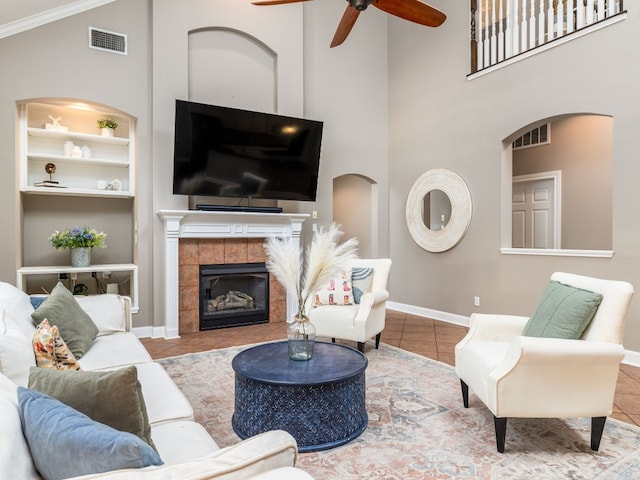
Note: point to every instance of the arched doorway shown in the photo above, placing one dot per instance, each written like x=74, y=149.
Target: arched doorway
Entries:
x=355, y=207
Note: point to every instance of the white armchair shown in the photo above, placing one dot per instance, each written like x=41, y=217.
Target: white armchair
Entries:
x=358, y=322
x=535, y=377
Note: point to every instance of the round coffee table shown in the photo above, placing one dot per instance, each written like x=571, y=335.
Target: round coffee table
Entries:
x=320, y=402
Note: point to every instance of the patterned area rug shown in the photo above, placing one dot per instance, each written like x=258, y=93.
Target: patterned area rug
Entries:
x=418, y=428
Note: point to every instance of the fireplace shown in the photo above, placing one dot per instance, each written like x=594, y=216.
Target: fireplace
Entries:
x=233, y=294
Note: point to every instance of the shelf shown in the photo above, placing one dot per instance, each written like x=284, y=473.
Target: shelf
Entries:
x=43, y=270
x=78, y=192
x=87, y=137
x=80, y=196
x=78, y=161
x=24, y=272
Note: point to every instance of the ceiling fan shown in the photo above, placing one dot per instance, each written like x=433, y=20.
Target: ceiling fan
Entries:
x=412, y=10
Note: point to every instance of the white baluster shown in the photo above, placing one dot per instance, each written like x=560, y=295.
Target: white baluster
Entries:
x=532, y=24
x=580, y=14
x=570, y=10
x=600, y=11
x=501, y=33
x=516, y=30
x=487, y=60
x=550, y=21
x=479, y=36
x=560, y=19
x=590, y=10
x=494, y=40
x=508, y=34
x=524, y=26
x=541, y=22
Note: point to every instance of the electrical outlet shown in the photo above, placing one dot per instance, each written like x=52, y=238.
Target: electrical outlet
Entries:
x=314, y=214
x=476, y=301
x=63, y=276
x=94, y=274
x=74, y=276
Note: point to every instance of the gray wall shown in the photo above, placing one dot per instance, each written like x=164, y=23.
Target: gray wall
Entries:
x=438, y=118
x=345, y=87
x=55, y=61
x=433, y=115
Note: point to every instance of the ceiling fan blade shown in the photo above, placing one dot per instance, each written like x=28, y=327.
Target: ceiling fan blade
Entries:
x=412, y=10
x=347, y=22
x=276, y=2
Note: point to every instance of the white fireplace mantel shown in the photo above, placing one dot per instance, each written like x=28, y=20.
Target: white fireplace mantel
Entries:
x=201, y=224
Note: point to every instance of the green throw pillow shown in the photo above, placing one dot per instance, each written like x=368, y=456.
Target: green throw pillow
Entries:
x=113, y=398
x=65, y=443
x=75, y=326
x=563, y=312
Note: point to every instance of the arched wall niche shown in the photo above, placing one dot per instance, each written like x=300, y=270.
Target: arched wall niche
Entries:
x=578, y=155
x=355, y=207
x=232, y=68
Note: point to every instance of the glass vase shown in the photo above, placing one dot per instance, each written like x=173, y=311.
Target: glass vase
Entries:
x=81, y=257
x=301, y=335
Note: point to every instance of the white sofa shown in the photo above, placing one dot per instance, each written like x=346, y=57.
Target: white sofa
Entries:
x=185, y=447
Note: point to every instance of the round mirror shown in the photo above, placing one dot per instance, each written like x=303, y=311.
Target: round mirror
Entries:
x=438, y=210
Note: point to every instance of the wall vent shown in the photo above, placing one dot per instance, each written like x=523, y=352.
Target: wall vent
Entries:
x=540, y=135
x=107, y=41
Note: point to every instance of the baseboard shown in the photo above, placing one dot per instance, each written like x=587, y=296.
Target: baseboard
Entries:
x=429, y=313
x=630, y=357
x=143, y=332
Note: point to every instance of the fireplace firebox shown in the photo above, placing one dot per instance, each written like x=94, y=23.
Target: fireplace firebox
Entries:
x=233, y=294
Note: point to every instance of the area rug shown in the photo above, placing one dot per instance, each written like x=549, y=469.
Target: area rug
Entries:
x=418, y=428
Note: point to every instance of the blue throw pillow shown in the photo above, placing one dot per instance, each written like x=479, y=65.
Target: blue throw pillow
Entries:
x=37, y=300
x=66, y=443
x=361, y=279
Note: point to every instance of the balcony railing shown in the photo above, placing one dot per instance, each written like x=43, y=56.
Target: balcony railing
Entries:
x=504, y=29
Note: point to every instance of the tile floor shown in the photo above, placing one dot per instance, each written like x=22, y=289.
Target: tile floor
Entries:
x=430, y=338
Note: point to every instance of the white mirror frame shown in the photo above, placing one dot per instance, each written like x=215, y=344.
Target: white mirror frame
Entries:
x=461, y=209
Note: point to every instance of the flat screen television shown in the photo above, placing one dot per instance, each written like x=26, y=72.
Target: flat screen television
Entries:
x=228, y=152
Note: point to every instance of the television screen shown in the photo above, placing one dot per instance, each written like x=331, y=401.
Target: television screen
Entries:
x=228, y=152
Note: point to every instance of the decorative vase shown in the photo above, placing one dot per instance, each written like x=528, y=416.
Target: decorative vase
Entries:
x=301, y=335
x=107, y=132
x=81, y=257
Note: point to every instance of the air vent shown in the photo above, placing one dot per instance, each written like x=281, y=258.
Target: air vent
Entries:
x=107, y=41
x=538, y=136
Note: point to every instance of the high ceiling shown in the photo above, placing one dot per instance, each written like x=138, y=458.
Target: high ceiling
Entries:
x=13, y=10
x=19, y=15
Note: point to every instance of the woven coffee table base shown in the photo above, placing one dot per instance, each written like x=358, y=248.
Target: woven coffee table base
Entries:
x=318, y=416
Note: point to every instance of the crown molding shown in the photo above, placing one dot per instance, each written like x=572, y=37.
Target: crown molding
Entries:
x=48, y=16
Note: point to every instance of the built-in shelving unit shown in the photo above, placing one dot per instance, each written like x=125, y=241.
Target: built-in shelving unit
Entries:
x=70, y=174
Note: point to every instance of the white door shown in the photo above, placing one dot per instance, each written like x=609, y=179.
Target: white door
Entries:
x=535, y=212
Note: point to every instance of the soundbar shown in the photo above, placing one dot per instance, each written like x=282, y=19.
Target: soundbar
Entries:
x=232, y=208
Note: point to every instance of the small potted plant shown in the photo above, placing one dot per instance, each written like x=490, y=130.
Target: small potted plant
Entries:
x=80, y=241
x=108, y=126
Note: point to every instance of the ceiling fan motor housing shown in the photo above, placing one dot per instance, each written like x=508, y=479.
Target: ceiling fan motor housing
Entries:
x=360, y=4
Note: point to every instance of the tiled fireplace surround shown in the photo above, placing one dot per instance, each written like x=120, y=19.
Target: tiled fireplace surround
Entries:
x=194, y=238
x=194, y=252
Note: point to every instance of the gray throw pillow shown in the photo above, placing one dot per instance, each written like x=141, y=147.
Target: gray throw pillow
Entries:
x=563, y=312
x=113, y=398
x=75, y=326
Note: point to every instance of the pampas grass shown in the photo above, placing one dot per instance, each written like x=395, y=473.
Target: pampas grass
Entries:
x=301, y=275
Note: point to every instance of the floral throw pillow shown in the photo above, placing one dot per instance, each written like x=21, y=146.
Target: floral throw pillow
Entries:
x=50, y=349
x=338, y=291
